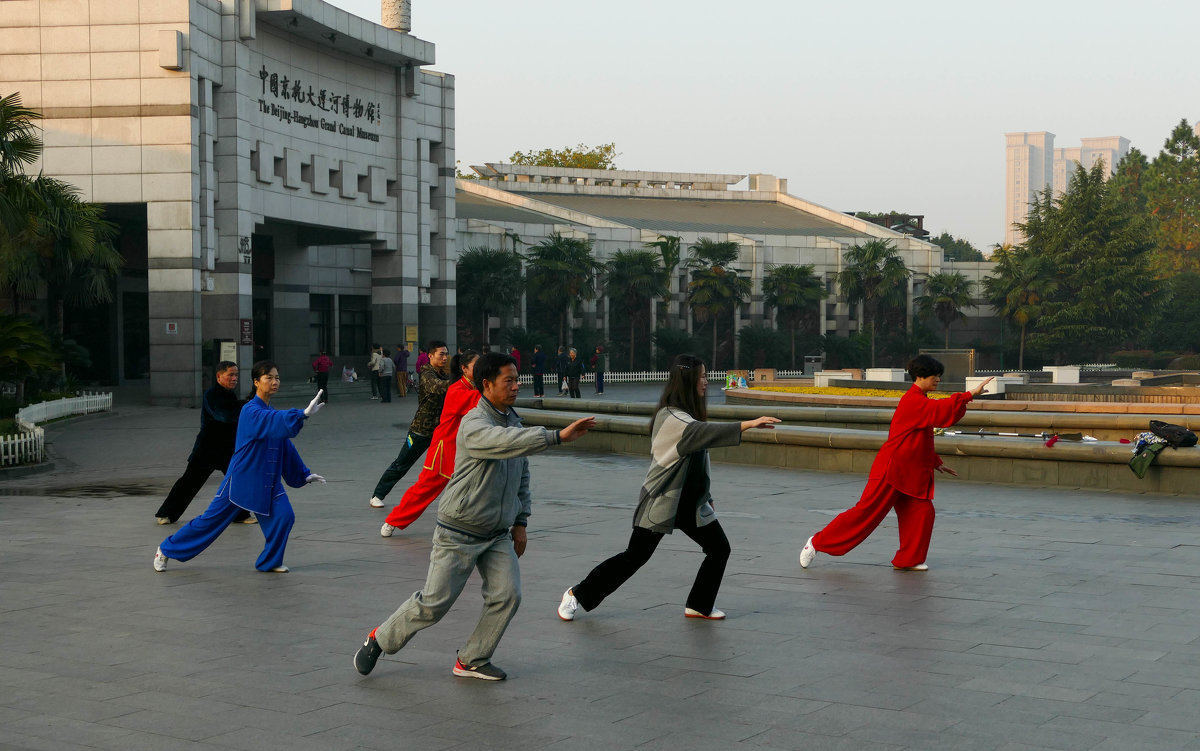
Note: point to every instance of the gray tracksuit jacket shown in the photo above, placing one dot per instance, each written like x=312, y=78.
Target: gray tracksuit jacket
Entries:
x=489, y=490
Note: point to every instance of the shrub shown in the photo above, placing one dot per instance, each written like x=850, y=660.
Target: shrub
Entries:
x=1134, y=358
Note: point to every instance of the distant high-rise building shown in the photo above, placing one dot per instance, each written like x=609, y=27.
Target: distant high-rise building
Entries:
x=1033, y=164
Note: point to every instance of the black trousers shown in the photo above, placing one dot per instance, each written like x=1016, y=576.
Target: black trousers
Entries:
x=385, y=388
x=539, y=384
x=184, y=491
x=410, y=452
x=323, y=385
x=611, y=574
x=573, y=387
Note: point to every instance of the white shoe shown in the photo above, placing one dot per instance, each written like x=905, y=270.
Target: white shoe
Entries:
x=279, y=570
x=918, y=567
x=162, y=520
x=715, y=615
x=376, y=502
x=568, y=606
x=160, y=561
x=386, y=530
x=807, y=553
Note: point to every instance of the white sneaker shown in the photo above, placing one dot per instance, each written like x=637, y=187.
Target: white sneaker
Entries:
x=715, y=615
x=918, y=567
x=160, y=561
x=376, y=502
x=386, y=530
x=279, y=570
x=568, y=606
x=807, y=553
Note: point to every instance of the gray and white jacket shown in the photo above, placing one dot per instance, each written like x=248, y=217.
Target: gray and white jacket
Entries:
x=489, y=490
x=676, y=440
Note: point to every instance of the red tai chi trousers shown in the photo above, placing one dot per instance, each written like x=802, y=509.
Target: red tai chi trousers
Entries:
x=849, y=528
x=429, y=485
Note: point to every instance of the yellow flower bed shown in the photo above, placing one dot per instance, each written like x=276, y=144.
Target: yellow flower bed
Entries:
x=837, y=391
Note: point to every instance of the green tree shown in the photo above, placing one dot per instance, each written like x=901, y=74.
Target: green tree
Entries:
x=1173, y=199
x=1178, y=331
x=1018, y=289
x=716, y=289
x=603, y=156
x=20, y=146
x=1099, y=254
x=1128, y=183
x=25, y=351
x=794, y=292
x=489, y=281
x=635, y=278
x=956, y=249
x=561, y=273
x=874, y=275
x=670, y=342
x=946, y=294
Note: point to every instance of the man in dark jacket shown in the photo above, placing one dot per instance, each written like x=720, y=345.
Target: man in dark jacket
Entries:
x=431, y=393
x=560, y=367
x=214, y=444
x=538, y=364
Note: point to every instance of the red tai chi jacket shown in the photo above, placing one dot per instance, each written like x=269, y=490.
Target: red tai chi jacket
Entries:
x=461, y=398
x=906, y=461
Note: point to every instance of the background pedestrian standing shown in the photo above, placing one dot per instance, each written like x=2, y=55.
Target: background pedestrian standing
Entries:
x=539, y=369
x=574, y=369
x=373, y=369
x=321, y=367
x=599, y=365
x=401, y=361
x=387, y=372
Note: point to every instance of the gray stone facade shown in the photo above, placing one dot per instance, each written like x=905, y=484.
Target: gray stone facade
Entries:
x=295, y=163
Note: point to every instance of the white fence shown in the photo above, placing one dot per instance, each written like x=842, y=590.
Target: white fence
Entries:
x=29, y=446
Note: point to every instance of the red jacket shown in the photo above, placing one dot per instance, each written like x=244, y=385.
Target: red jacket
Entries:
x=906, y=461
x=461, y=398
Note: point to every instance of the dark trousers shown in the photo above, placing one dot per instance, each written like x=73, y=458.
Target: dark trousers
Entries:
x=184, y=491
x=374, y=383
x=385, y=388
x=410, y=452
x=599, y=382
x=611, y=574
x=573, y=387
x=539, y=384
x=323, y=385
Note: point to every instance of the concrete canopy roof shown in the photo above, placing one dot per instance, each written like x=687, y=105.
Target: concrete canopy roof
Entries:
x=473, y=206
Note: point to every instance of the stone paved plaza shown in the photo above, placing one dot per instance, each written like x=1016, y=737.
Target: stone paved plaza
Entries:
x=1050, y=619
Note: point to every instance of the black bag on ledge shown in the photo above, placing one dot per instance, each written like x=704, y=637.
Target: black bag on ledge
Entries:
x=1176, y=436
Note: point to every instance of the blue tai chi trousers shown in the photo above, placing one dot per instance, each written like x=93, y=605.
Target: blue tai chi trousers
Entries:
x=194, y=537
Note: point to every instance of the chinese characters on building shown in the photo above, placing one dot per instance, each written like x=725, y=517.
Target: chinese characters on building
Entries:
x=294, y=91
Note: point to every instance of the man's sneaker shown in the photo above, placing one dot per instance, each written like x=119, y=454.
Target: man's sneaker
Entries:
x=485, y=672
x=368, y=654
x=568, y=606
x=160, y=560
x=162, y=520
x=918, y=567
x=376, y=502
x=807, y=553
x=386, y=530
x=714, y=615
x=252, y=519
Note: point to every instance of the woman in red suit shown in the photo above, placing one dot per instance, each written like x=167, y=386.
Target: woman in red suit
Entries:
x=902, y=475
x=461, y=398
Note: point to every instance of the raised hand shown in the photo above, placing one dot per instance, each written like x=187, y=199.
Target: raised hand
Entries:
x=315, y=405
x=761, y=422
x=577, y=429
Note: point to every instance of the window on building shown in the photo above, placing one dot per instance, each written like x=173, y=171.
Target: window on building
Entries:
x=320, y=323
x=354, y=324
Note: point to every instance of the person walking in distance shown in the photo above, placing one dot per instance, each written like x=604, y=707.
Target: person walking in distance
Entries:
x=481, y=521
x=674, y=496
x=560, y=367
x=401, y=361
x=321, y=367
x=387, y=372
x=373, y=366
x=901, y=476
x=264, y=454
x=599, y=365
x=431, y=392
x=574, y=370
x=538, y=366
x=461, y=398
x=219, y=410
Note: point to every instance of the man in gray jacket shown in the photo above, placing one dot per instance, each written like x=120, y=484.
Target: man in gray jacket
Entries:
x=480, y=524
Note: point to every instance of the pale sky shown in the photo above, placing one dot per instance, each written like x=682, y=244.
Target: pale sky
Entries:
x=873, y=106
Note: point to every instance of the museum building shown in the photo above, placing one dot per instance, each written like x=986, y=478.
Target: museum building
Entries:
x=281, y=173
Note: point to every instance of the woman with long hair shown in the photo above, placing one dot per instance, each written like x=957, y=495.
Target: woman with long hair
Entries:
x=262, y=455
x=461, y=398
x=674, y=496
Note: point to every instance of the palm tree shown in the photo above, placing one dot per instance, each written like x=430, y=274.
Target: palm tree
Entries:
x=946, y=294
x=1018, y=289
x=874, y=275
x=636, y=277
x=24, y=351
x=489, y=281
x=561, y=273
x=20, y=146
x=716, y=289
x=794, y=292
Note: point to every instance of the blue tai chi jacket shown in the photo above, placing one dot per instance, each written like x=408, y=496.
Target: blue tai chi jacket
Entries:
x=264, y=454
